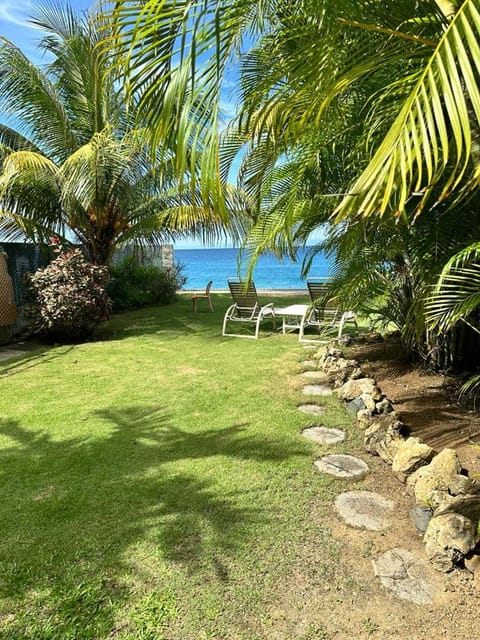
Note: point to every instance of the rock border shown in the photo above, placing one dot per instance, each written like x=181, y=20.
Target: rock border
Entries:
x=439, y=484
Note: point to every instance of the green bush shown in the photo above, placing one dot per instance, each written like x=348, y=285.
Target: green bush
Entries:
x=66, y=300
x=134, y=285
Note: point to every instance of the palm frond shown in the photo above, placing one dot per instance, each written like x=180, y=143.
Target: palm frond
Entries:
x=428, y=149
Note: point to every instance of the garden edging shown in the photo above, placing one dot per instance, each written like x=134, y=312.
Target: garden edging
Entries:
x=447, y=501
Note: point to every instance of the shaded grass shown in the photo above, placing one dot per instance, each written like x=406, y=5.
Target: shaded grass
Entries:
x=153, y=482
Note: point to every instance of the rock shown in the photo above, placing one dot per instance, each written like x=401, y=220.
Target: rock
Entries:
x=339, y=370
x=356, y=373
x=354, y=406
x=368, y=401
x=322, y=435
x=406, y=575
x=383, y=438
x=365, y=419
x=411, y=455
x=317, y=390
x=342, y=466
x=354, y=388
x=472, y=563
x=384, y=406
x=448, y=539
x=309, y=364
x=421, y=516
x=468, y=506
x=318, y=376
x=461, y=485
x=365, y=510
x=333, y=352
x=435, y=477
x=311, y=409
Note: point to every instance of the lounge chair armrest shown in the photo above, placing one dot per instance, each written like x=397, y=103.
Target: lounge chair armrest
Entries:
x=270, y=307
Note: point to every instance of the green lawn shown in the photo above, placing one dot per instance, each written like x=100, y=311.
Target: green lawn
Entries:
x=154, y=484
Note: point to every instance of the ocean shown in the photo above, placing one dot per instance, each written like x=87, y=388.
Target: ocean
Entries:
x=202, y=265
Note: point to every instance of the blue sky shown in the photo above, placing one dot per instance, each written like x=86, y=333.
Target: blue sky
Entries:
x=14, y=23
x=14, y=15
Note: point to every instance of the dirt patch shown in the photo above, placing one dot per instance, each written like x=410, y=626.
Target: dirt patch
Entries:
x=349, y=602
x=427, y=402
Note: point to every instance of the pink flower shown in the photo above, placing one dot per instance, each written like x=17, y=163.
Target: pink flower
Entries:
x=54, y=240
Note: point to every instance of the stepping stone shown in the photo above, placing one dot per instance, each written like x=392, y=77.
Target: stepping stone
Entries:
x=312, y=409
x=309, y=364
x=365, y=510
x=317, y=390
x=322, y=435
x=406, y=575
x=342, y=466
x=318, y=376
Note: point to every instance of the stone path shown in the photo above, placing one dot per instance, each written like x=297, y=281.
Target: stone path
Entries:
x=406, y=575
x=317, y=376
x=312, y=409
x=365, y=510
x=400, y=571
x=317, y=390
x=323, y=435
x=343, y=466
x=309, y=364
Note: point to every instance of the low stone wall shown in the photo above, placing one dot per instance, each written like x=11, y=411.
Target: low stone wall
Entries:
x=447, y=501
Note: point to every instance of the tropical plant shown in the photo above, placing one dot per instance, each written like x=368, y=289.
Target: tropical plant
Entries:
x=134, y=285
x=76, y=160
x=387, y=93
x=67, y=299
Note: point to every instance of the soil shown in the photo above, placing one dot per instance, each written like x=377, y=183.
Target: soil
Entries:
x=352, y=604
x=428, y=403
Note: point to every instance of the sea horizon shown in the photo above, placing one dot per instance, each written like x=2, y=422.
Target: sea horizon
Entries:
x=200, y=265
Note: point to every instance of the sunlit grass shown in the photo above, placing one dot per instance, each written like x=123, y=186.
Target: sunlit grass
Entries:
x=153, y=482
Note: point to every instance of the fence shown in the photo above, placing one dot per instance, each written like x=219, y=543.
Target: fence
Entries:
x=21, y=258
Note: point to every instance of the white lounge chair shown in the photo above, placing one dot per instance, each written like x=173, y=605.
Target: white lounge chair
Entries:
x=246, y=309
x=324, y=313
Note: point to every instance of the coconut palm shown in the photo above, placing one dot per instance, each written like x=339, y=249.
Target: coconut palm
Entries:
x=390, y=89
x=76, y=160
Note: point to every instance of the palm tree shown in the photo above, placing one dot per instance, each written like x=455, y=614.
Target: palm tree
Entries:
x=388, y=89
x=77, y=161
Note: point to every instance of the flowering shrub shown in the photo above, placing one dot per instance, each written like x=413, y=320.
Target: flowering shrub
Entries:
x=67, y=299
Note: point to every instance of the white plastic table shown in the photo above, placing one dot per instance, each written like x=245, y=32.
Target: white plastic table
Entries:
x=291, y=316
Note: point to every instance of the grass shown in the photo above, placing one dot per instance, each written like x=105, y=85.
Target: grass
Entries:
x=154, y=484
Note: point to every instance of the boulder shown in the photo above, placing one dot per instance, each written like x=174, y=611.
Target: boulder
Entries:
x=472, y=563
x=339, y=370
x=410, y=456
x=354, y=406
x=421, y=516
x=468, y=506
x=331, y=351
x=448, y=539
x=431, y=480
x=383, y=438
x=365, y=417
x=354, y=388
x=368, y=401
x=384, y=406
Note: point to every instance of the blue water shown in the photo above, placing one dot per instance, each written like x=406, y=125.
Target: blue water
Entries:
x=202, y=265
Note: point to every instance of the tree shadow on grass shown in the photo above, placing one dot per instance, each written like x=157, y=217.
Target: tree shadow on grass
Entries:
x=73, y=513
x=40, y=355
